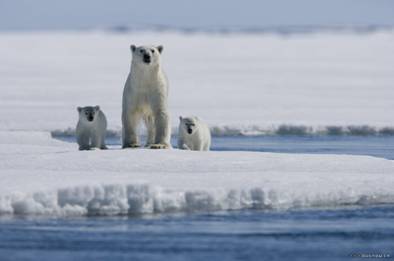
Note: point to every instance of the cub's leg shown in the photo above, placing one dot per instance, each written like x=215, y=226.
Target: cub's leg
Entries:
x=98, y=141
x=83, y=140
x=102, y=143
x=184, y=147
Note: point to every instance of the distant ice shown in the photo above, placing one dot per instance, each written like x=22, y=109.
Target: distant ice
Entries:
x=253, y=81
x=283, y=30
x=281, y=130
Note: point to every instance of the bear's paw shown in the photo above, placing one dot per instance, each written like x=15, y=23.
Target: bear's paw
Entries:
x=159, y=146
x=132, y=146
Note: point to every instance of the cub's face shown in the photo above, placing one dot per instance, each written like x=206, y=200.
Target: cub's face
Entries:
x=147, y=55
x=88, y=113
x=189, y=124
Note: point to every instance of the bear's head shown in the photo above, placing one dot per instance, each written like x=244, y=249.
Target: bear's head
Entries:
x=146, y=55
x=88, y=113
x=189, y=124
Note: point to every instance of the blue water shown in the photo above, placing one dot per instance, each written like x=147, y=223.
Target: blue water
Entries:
x=378, y=146
x=336, y=234
x=344, y=233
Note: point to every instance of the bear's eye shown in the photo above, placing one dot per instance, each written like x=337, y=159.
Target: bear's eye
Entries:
x=141, y=51
x=153, y=50
x=86, y=113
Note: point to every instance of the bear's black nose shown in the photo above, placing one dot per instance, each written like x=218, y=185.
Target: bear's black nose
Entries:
x=146, y=58
x=189, y=130
x=90, y=118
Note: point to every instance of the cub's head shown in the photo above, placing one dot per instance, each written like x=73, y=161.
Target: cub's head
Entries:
x=189, y=124
x=146, y=55
x=88, y=113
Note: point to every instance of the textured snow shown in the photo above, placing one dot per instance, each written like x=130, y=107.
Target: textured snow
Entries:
x=40, y=175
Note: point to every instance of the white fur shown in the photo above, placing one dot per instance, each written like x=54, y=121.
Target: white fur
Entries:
x=145, y=98
x=91, y=134
x=199, y=139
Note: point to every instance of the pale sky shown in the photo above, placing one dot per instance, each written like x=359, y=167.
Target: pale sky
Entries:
x=87, y=14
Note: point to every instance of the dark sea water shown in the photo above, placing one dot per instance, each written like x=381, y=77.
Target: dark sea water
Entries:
x=330, y=234
x=345, y=233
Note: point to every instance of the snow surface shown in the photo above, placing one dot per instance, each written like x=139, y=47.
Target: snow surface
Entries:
x=236, y=81
x=231, y=81
x=40, y=175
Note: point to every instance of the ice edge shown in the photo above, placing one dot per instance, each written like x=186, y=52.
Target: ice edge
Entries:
x=138, y=199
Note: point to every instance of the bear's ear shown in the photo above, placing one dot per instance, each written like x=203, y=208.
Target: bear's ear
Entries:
x=132, y=48
x=160, y=48
x=97, y=108
x=180, y=118
x=79, y=109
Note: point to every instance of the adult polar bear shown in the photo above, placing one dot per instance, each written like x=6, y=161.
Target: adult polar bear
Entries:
x=145, y=97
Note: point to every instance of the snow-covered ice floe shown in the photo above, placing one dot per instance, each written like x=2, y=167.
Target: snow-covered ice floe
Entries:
x=239, y=84
x=40, y=175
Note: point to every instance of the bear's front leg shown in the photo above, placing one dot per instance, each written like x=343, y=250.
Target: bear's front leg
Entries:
x=150, y=126
x=129, y=133
x=162, y=132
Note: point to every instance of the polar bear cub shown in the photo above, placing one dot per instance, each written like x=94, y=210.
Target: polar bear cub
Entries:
x=91, y=128
x=193, y=134
x=145, y=97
